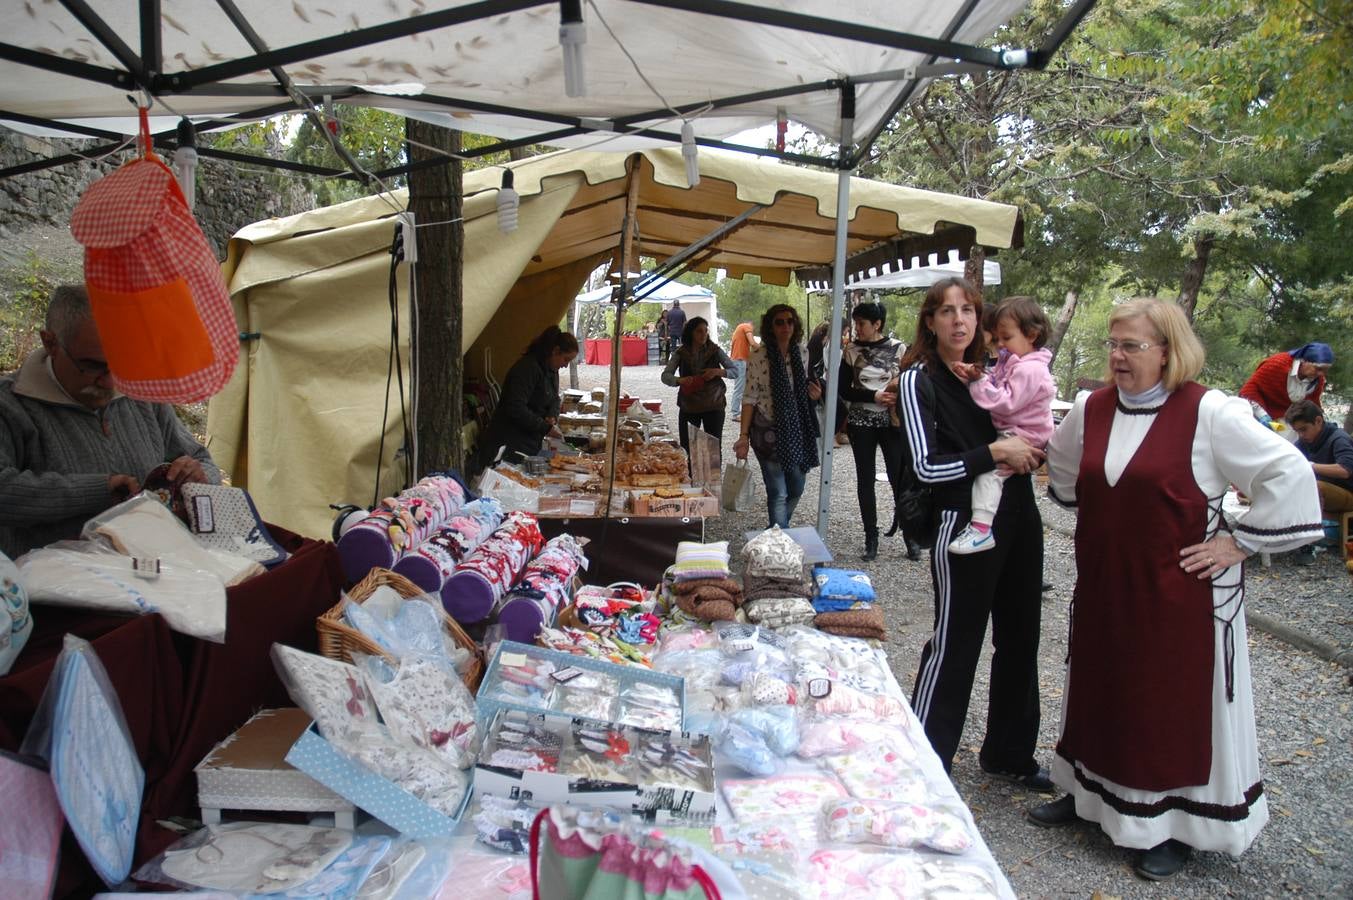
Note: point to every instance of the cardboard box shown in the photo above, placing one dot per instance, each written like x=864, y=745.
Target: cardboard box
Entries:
x=249, y=771
x=646, y=503
x=385, y=800
x=702, y=505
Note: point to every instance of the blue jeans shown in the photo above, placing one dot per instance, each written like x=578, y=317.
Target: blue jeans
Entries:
x=739, y=373
x=784, y=487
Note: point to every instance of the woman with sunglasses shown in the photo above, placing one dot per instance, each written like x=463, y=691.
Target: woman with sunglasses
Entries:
x=779, y=422
x=1158, y=741
x=952, y=441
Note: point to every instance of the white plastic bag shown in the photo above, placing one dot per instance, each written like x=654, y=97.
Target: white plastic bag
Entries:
x=737, y=486
x=15, y=621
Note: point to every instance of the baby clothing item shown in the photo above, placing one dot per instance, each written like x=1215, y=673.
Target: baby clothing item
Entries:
x=860, y=623
x=780, y=798
x=224, y=518
x=847, y=702
x=31, y=841
x=891, y=824
x=832, y=737
x=256, y=858
x=331, y=692
x=779, y=612
x=773, y=554
x=696, y=560
x=80, y=730
x=143, y=528
x=86, y=574
x=15, y=621
x=839, y=589
x=429, y=707
x=881, y=773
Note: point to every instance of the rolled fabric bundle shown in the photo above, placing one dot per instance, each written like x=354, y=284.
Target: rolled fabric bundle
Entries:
x=756, y=587
x=708, y=606
x=436, y=559
x=400, y=523
x=543, y=591
x=484, y=576
x=727, y=587
x=865, y=622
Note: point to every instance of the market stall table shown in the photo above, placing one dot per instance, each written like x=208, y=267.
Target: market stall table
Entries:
x=633, y=351
x=181, y=695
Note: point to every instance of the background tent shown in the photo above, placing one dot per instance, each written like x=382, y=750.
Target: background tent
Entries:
x=917, y=276
x=696, y=300
x=301, y=422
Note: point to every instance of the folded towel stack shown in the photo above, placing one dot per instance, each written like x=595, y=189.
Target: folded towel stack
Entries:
x=844, y=602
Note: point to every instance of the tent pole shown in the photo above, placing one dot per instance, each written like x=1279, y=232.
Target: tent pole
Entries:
x=629, y=229
x=573, y=366
x=833, y=348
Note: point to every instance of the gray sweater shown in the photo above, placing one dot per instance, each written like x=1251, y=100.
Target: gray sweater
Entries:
x=56, y=454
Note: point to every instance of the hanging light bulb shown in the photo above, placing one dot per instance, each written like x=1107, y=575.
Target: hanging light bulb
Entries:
x=185, y=161
x=690, y=153
x=508, y=202
x=572, y=36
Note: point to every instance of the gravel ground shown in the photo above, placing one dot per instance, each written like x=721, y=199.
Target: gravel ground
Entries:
x=1303, y=707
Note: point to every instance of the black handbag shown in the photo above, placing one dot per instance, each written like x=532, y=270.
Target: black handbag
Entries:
x=914, y=512
x=761, y=434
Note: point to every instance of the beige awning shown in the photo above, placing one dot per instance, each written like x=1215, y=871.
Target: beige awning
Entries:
x=299, y=425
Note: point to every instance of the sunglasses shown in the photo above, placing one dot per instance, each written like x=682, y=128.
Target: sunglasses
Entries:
x=782, y=321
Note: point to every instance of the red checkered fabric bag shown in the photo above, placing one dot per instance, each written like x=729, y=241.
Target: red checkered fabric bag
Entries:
x=156, y=291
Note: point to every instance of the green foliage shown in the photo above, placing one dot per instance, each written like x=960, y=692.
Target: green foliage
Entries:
x=24, y=289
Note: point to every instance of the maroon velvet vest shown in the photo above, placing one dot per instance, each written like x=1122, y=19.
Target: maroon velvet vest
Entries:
x=1139, y=694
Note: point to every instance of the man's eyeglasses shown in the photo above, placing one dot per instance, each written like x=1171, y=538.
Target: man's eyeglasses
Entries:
x=782, y=321
x=1131, y=348
x=89, y=368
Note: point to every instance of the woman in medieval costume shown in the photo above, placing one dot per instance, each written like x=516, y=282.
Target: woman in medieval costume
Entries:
x=1158, y=739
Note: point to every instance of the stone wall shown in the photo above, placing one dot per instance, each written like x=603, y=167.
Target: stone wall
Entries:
x=229, y=196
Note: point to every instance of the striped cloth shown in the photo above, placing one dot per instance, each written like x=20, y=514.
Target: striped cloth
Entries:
x=696, y=560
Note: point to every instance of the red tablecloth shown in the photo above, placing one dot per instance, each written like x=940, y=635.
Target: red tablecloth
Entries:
x=180, y=695
x=633, y=351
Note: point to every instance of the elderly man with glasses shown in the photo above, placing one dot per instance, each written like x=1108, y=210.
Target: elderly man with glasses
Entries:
x=70, y=445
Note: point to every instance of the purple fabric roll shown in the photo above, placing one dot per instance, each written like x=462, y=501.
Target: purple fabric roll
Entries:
x=468, y=597
x=421, y=571
x=523, y=617
x=366, y=546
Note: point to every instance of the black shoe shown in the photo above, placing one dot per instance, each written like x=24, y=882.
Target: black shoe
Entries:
x=913, y=549
x=1047, y=586
x=1037, y=780
x=871, y=545
x=1054, y=814
x=1305, y=556
x=1163, y=860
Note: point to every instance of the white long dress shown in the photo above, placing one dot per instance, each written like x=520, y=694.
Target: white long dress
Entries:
x=1229, y=448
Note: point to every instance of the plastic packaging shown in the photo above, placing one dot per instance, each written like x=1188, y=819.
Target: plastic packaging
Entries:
x=427, y=705
x=80, y=730
x=144, y=528
x=92, y=576
x=504, y=824
x=16, y=623
x=888, y=824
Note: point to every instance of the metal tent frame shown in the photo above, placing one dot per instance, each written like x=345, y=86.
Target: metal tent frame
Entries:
x=144, y=70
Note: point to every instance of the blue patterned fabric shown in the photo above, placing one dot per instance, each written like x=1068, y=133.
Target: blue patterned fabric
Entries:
x=839, y=589
x=795, y=424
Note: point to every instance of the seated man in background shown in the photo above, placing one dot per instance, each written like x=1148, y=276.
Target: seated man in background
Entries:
x=70, y=445
x=1330, y=451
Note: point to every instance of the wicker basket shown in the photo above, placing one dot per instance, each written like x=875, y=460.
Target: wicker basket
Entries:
x=338, y=640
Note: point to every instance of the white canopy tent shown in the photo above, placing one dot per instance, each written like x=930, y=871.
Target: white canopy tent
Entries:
x=917, y=276
x=696, y=300
x=711, y=69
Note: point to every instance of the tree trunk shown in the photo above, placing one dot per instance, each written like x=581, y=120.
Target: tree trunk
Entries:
x=973, y=268
x=435, y=195
x=1192, y=281
x=1063, y=323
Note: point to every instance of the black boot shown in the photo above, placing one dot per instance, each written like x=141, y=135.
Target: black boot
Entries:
x=871, y=544
x=913, y=549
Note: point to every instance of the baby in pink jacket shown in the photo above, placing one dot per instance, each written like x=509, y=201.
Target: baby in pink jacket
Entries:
x=1018, y=393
